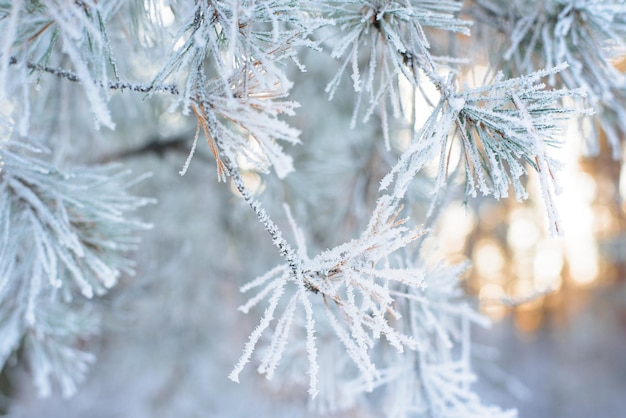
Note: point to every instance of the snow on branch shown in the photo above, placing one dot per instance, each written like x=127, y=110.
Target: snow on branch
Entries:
x=356, y=293
x=436, y=379
x=112, y=85
x=503, y=128
x=78, y=30
x=247, y=127
x=352, y=280
x=400, y=321
x=62, y=234
x=368, y=288
x=383, y=41
x=589, y=35
x=55, y=344
x=231, y=69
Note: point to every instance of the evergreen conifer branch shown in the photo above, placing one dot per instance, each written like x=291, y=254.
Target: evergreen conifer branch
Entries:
x=502, y=128
x=67, y=233
x=391, y=35
x=63, y=234
x=588, y=35
x=112, y=85
x=79, y=29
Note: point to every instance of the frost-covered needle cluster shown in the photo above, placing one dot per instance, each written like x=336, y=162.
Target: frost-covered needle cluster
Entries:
x=372, y=313
x=64, y=237
x=587, y=34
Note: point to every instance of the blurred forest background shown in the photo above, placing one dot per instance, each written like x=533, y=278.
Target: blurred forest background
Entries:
x=172, y=332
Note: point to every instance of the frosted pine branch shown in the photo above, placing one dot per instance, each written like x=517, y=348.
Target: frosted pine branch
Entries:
x=351, y=279
x=372, y=311
x=390, y=35
x=79, y=30
x=503, y=128
x=587, y=34
x=113, y=85
x=63, y=235
x=246, y=43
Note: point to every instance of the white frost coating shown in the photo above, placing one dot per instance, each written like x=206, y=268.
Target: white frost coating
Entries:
x=35, y=289
x=8, y=40
x=260, y=296
x=279, y=341
x=72, y=22
x=183, y=170
x=62, y=226
x=310, y=343
x=456, y=103
x=6, y=123
x=268, y=315
x=98, y=105
x=6, y=118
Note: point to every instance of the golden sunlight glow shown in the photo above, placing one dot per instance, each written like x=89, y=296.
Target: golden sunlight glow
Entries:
x=490, y=296
x=604, y=220
x=456, y=224
x=526, y=263
x=521, y=289
x=528, y=314
x=583, y=262
x=512, y=255
x=491, y=214
x=622, y=182
x=547, y=265
x=523, y=232
x=577, y=215
x=522, y=267
x=489, y=260
x=527, y=318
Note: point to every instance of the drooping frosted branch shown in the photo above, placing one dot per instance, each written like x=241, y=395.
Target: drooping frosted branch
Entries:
x=63, y=235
